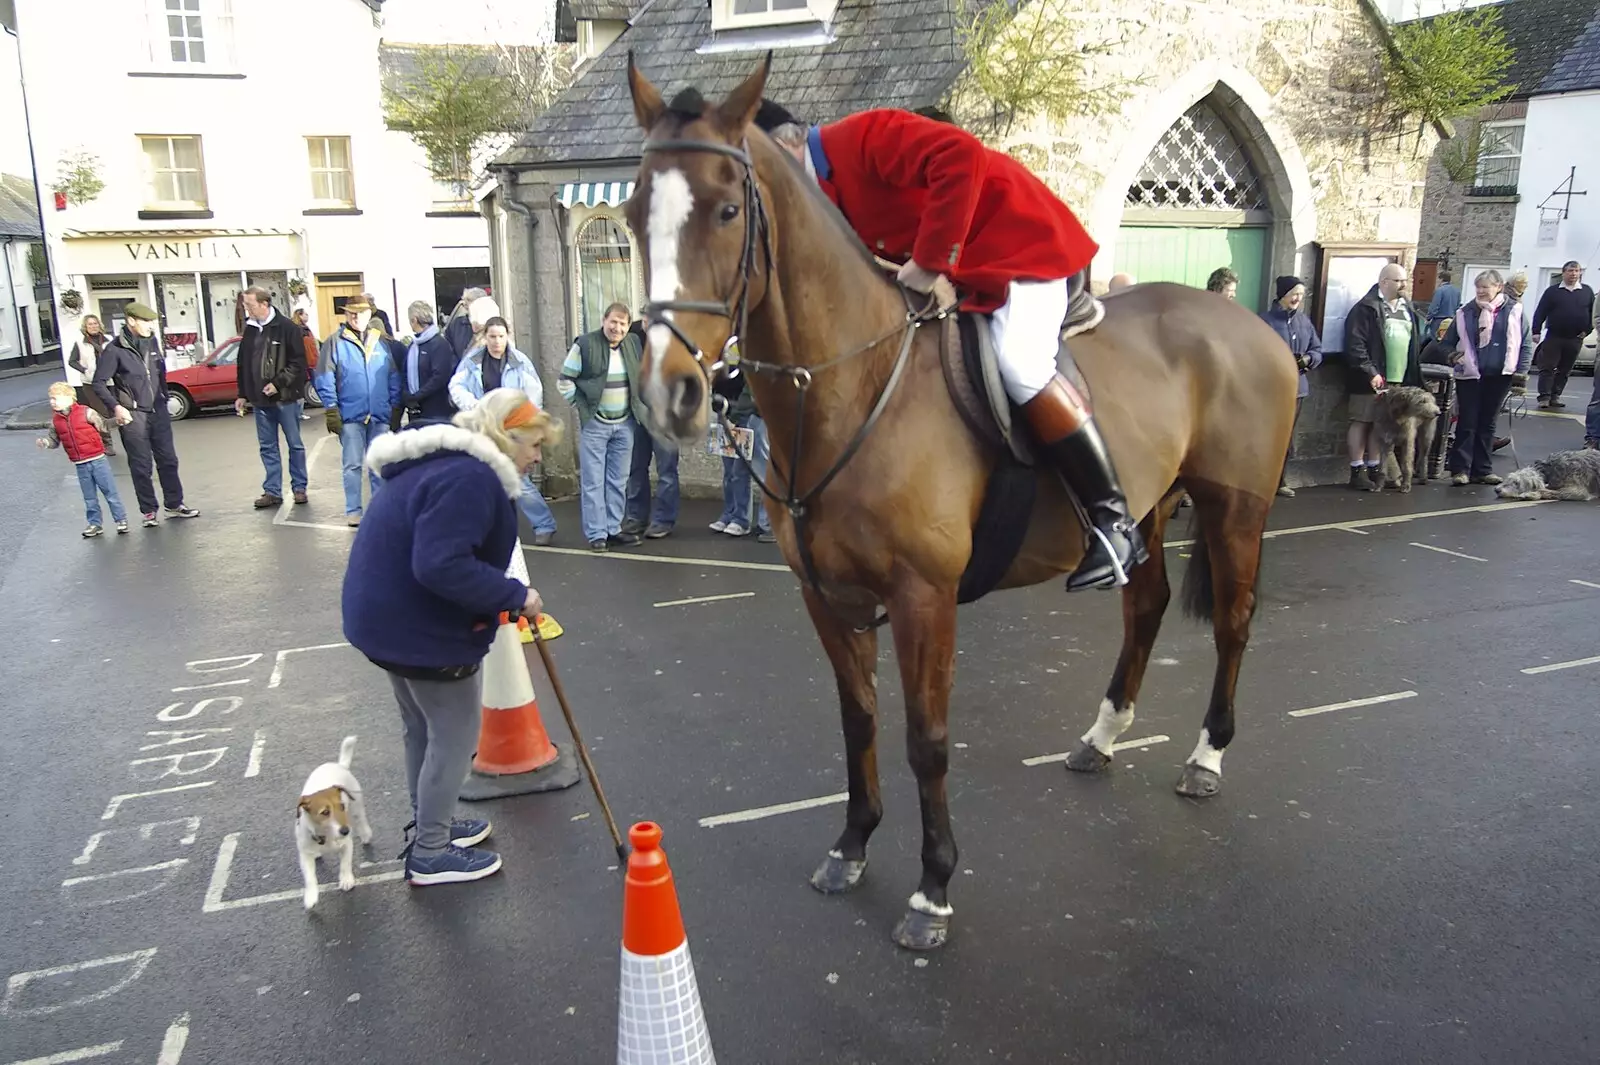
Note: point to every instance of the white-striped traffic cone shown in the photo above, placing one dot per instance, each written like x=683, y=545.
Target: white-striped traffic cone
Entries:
x=659, y=1018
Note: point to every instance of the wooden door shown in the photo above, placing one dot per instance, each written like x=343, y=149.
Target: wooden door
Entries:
x=330, y=305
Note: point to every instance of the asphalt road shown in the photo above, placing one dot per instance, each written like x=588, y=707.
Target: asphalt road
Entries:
x=1408, y=880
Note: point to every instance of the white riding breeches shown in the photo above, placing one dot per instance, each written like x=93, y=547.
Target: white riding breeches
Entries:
x=1027, y=336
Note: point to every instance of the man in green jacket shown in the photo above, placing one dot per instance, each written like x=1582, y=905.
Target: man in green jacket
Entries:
x=600, y=379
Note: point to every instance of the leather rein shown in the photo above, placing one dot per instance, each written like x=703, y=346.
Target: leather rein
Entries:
x=758, y=235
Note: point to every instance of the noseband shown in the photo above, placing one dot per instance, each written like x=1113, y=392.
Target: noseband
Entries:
x=757, y=230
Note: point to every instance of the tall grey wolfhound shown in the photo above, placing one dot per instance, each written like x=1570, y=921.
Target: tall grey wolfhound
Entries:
x=1405, y=420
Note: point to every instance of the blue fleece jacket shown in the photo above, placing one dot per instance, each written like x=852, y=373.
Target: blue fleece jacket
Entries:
x=427, y=573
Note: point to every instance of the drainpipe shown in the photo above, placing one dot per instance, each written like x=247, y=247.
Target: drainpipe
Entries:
x=507, y=179
x=44, y=236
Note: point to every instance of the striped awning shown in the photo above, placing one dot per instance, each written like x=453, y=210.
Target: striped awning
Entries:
x=595, y=193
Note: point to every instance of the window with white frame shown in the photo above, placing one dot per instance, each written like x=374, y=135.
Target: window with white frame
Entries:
x=736, y=14
x=191, y=34
x=1499, y=156
x=333, y=182
x=452, y=194
x=175, y=175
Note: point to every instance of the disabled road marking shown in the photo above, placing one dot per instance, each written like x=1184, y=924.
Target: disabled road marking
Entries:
x=220, y=873
x=1371, y=700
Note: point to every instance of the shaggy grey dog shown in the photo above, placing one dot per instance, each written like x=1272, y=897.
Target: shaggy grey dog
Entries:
x=1570, y=475
x=1405, y=420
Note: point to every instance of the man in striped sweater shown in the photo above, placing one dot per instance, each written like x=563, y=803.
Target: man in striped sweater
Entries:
x=599, y=378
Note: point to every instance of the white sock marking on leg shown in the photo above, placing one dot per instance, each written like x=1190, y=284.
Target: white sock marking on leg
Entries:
x=1206, y=756
x=920, y=903
x=1108, y=726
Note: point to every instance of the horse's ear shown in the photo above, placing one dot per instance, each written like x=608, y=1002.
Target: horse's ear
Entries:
x=735, y=114
x=647, y=105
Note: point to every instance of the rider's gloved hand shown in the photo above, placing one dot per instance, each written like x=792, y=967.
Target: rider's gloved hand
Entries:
x=916, y=278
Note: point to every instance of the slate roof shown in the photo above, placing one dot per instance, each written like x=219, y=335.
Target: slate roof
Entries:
x=1539, y=33
x=885, y=53
x=594, y=10
x=19, y=211
x=1579, y=68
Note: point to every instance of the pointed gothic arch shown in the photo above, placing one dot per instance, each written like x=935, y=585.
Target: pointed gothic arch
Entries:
x=1211, y=110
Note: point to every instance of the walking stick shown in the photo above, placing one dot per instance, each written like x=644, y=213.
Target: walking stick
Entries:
x=583, y=752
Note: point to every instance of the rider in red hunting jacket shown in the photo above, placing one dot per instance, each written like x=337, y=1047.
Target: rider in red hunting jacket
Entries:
x=929, y=195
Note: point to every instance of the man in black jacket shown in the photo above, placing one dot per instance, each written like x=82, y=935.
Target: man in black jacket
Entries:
x=425, y=370
x=130, y=378
x=272, y=379
x=1565, y=311
x=1382, y=344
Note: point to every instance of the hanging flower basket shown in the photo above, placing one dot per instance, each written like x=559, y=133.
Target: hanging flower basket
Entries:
x=297, y=286
x=72, y=301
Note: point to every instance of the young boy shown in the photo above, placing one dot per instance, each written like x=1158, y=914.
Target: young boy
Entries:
x=76, y=429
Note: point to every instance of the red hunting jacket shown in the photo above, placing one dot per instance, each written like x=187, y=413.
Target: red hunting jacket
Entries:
x=916, y=188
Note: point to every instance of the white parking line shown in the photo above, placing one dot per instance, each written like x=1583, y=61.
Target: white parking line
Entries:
x=1447, y=551
x=671, y=560
x=706, y=599
x=1552, y=667
x=1393, y=519
x=1127, y=745
x=1586, y=584
x=1351, y=704
x=759, y=812
x=81, y=1054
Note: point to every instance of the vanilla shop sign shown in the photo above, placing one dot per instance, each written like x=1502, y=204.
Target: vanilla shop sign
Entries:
x=159, y=253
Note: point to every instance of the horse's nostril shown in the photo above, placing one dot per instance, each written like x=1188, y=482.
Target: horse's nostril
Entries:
x=686, y=397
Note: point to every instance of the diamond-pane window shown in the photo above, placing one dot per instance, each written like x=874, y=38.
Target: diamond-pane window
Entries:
x=1198, y=164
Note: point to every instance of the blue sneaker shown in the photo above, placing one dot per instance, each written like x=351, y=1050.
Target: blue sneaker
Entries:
x=469, y=831
x=453, y=865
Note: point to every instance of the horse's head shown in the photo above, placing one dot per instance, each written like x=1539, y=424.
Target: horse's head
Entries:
x=696, y=210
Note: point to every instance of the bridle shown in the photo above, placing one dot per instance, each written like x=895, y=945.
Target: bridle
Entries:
x=758, y=234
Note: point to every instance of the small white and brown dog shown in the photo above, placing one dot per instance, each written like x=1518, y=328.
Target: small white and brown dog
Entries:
x=330, y=808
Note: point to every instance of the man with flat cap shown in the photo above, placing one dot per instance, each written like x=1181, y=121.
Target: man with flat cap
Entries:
x=130, y=377
x=925, y=193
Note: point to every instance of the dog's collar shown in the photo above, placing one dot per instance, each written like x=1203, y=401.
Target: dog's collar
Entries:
x=320, y=841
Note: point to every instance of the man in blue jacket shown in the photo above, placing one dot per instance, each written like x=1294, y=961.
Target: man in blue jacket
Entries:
x=1446, y=302
x=360, y=387
x=1288, y=318
x=425, y=383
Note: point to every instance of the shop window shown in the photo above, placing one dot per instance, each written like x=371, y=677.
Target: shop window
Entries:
x=333, y=183
x=175, y=176
x=605, y=271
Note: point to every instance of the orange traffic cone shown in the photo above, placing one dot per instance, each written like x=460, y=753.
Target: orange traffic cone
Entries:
x=515, y=755
x=659, y=1019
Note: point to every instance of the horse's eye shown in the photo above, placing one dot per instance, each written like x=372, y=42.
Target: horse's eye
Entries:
x=730, y=211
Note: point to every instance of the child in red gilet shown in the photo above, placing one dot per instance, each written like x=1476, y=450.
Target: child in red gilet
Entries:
x=76, y=429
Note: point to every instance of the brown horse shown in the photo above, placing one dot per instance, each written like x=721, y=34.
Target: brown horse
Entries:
x=1192, y=393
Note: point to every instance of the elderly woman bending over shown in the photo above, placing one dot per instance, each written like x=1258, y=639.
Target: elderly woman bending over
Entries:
x=423, y=591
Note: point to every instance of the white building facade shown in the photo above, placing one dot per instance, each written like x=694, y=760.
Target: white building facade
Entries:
x=1558, y=207
x=240, y=143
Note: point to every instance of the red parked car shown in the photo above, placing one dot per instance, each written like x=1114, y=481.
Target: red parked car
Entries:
x=213, y=383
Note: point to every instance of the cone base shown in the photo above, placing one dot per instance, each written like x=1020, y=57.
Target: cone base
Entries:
x=560, y=774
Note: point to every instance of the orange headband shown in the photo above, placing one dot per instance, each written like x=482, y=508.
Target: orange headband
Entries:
x=526, y=414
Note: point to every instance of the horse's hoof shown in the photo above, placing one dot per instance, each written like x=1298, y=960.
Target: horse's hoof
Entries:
x=922, y=931
x=835, y=876
x=1198, y=782
x=1086, y=758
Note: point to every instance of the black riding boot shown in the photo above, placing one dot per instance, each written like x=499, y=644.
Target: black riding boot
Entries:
x=1065, y=432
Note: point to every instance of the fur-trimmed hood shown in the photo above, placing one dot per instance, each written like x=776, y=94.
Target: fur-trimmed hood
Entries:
x=416, y=445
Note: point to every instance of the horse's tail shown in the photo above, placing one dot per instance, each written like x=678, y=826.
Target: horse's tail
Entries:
x=1199, y=597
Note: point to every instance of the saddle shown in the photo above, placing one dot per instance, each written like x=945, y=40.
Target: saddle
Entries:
x=972, y=374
